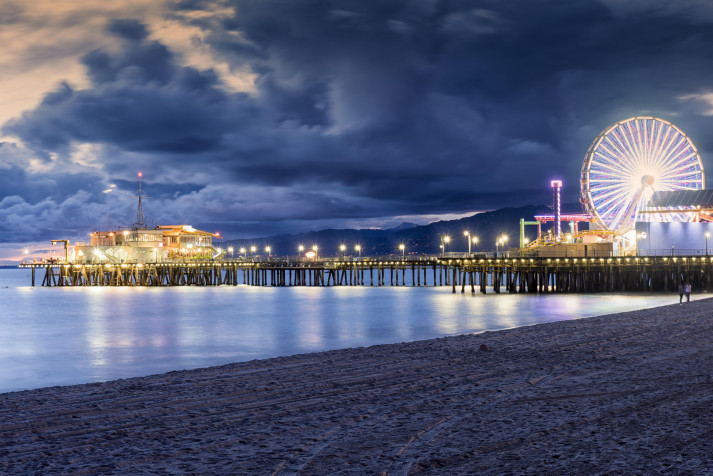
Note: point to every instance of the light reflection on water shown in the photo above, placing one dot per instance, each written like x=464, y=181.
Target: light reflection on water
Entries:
x=60, y=336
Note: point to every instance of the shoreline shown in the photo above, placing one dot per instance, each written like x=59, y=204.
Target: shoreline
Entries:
x=621, y=392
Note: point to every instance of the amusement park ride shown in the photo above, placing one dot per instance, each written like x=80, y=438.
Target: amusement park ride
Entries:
x=641, y=169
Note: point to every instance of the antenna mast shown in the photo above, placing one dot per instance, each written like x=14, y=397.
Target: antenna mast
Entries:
x=140, y=223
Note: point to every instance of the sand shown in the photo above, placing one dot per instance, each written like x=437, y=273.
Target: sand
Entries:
x=626, y=393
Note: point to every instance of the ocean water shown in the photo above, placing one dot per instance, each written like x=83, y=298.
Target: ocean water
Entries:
x=63, y=336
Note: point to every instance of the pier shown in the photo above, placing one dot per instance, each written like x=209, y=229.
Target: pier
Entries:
x=511, y=275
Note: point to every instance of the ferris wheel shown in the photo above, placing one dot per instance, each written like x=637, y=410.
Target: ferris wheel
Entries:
x=628, y=162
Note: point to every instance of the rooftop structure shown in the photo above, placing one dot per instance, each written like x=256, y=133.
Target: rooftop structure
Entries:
x=142, y=244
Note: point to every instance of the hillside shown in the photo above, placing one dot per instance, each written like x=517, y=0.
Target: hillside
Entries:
x=424, y=239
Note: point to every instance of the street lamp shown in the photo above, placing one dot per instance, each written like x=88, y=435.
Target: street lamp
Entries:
x=300, y=249
x=242, y=252
x=501, y=242
x=343, y=249
x=230, y=250
x=708, y=235
x=315, y=248
x=402, y=247
x=445, y=240
x=467, y=237
x=358, y=249
x=253, y=249
x=475, y=240
x=268, y=250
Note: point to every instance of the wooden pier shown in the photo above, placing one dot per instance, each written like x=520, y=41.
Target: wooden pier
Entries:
x=513, y=275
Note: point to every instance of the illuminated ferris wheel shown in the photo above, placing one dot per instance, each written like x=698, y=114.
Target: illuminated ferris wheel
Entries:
x=628, y=162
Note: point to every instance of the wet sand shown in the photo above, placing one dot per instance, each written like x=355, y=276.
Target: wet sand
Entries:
x=624, y=393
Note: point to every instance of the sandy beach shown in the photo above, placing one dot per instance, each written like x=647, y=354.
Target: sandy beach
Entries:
x=628, y=393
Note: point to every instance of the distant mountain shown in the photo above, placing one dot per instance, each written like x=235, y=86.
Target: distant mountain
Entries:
x=404, y=226
x=425, y=239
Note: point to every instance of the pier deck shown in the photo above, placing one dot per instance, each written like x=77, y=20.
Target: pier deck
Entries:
x=523, y=275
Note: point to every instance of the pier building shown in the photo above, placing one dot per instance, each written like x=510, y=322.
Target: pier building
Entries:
x=141, y=243
x=145, y=245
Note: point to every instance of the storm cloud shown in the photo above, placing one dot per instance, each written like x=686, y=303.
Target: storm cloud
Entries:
x=356, y=111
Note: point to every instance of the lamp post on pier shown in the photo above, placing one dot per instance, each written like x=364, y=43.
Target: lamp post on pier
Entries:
x=230, y=249
x=268, y=249
x=300, y=249
x=253, y=249
x=357, y=248
x=402, y=247
x=444, y=241
x=343, y=249
x=708, y=235
x=475, y=240
x=502, y=239
x=467, y=238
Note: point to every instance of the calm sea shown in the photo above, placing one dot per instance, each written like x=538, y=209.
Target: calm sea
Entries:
x=62, y=336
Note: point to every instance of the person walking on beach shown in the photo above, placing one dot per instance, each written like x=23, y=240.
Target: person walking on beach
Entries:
x=680, y=293
x=687, y=291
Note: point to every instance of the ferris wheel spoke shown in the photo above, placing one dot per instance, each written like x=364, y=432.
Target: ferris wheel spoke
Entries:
x=677, y=160
x=670, y=151
x=658, y=154
x=649, y=143
x=623, y=154
x=606, y=188
x=617, y=191
x=657, y=142
x=621, y=151
x=664, y=145
x=637, y=141
x=680, y=176
x=683, y=174
x=604, y=204
x=607, y=159
x=612, y=168
x=678, y=166
x=631, y=145
x=625, y=164
x=608, y=178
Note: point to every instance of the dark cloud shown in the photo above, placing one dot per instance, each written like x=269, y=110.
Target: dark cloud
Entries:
x=374, y=109
x=128, y=29
x=140, y=100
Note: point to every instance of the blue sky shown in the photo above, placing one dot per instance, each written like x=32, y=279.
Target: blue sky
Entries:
x=254, y=118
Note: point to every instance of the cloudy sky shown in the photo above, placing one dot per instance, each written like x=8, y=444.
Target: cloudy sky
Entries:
x=278, y=116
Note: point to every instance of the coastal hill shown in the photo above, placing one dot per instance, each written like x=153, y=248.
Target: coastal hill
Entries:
x=424, y=239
